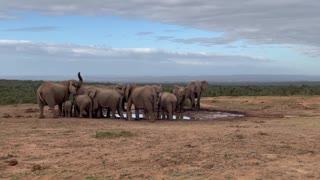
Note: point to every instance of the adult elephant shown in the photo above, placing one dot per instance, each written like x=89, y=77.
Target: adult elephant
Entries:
x=182, y=93
x=197, y=87
x=55, y=93
x=167, y=105
x=143, y=98
x=120, y=88
x=106, y=98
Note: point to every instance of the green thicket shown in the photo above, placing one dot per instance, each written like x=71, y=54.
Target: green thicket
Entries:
x=16, y=92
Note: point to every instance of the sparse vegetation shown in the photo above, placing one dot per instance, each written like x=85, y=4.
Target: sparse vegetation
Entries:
x=263, y=133
x=91, y=178
x=17, y=92
x=112, y=134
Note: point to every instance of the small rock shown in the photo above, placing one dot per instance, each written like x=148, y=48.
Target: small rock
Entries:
x=6, y=115
x=12, y=162
x=36, y=167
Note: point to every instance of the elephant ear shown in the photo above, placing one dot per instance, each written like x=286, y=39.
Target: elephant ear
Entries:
x=92, y=93
x=187, y=91
x=129, y=89
x=175, y=89
x=204, y=85
x=72, y=88
x=192, y=86
x=158, y=88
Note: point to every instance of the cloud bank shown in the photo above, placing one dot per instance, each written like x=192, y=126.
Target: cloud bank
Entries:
x=259, y=22
x=38, y=58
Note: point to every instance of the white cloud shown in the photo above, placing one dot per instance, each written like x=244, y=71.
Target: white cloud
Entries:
x=27, y=56
x=134, y=54
x=261, y=22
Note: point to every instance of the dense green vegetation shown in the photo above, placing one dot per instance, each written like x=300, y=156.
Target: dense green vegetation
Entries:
x=16, y=92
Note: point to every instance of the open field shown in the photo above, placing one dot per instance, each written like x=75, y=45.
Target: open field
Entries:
x=278, y=139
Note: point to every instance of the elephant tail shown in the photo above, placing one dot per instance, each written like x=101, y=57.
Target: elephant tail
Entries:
x=39, y=94
x=123, y=101
x=159, y=106
x=174, y=106
x=91, y=108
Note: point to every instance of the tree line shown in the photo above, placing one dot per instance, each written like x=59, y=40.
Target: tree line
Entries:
x=18, y=91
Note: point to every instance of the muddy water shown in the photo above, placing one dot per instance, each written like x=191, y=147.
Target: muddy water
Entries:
x=202, y=115
x=218, y=115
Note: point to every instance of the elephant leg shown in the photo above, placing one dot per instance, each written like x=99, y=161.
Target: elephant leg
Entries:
x=170, y=117
x=129, y=115
x=120, y=113
x=181, y=107
x=90, y=114
x=74, y=111
x=41, y=116
x=150, y=115
x=137, y=113
x=198, y=101
x=192, y=99
x=63, y=113
x=90, y=111
x=113, y=113
x=69, y=114
x=163, y=114
x=60, y=109
x=108, y=112
x=53, y=111
x=81, y=113
x=99, y=112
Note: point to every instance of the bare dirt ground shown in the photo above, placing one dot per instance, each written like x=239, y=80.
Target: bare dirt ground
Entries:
x=278, y=139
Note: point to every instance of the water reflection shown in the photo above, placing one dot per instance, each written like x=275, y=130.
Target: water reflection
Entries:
x=202, y=115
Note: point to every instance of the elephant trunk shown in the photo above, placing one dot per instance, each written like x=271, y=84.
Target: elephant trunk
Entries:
x=80, y=78
x=159, y=107
x=123, y=101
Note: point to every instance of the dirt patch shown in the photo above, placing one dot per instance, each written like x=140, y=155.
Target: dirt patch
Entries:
x=31, y=110
x=254, y=147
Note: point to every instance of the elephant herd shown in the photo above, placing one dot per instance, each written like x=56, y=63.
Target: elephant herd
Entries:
x=74, y=96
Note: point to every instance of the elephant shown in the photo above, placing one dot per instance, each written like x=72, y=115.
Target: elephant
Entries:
x=118, y=87
x=83, y=102
x=55, y=93
x=197, y=88
x=182, y=93
x=167, y=105
x=106, y=98
x=143, y=97
x=67, y=108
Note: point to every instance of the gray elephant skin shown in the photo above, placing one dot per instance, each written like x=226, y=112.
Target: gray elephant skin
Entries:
x=143, y=98
x=182, y=93
x=107, y=98
x=84, y=102
x=197, y=88
x=167, y=105
x=67, y=109
x=55, y=93
x=118, y=87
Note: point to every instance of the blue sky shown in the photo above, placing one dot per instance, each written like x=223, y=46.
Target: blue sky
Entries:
x=159, y=38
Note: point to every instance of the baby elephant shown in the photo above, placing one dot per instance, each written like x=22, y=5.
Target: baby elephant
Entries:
x=167, y=105
x=67, y=108
x=83, y=103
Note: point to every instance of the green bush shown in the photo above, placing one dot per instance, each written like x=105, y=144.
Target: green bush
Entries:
x=112, y=134
x=16, y=92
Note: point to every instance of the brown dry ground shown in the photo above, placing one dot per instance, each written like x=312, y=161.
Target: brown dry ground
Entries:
x=278, y=139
